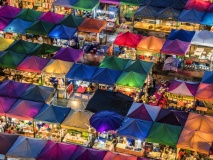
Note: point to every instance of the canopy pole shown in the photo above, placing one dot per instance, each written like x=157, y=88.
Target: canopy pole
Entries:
x=33, y=129
x=60, y=133
x=65, y=86
x=5, y=116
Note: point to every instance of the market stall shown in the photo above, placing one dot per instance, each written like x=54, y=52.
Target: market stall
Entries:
x=25, y=147
x=143, y=111
x=148, y=48
x=54, y=72
x=197, y=130
x=129, y=40
x=38, y=93
x=21, y=122
x=80, y=153
x=5, y=43
x=132, y=135
x=181, y=94
x=79, y=132
x=49, y=120
x=79, y=76
x=29, y=15
x=49, y=151
x=113, y=101
x=165, y=146
x=114, y=156
x=69, y=54
x=113, y=62
x=12, y=89
x=181, y=34
x=8, y=11
x=172, y=117
x=61, y=33
x=90, y=29
x=7, y=140
x=105, y=122
x=51, y=17
x=71, y=21
x=3, y=23
x=172, y=64
x=63, y=6
x=105, y=78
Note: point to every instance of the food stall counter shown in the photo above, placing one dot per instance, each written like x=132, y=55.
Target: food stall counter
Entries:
x=122, y=148
x=108, y=145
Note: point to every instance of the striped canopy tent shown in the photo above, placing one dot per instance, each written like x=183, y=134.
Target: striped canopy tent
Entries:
x=151, y=43
x=12, y=89
x=33, y=64
x=43, y=49
x=92, y=25
x=9, y=11
x=128, y=39
x=40, y=27
x=9, y=59
x=114, y=62
x=17, y=26
x=30, y=109
x=83, y=5
x=29, y=15
x=57, y=67
x=71, y=21
x=5, y=43
x=51, y=17
x=22, y=47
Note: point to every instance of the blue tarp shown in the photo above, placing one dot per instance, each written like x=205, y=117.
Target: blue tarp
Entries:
x=182, y=35
x=207, y=19
x=52, y=114
x=26, y=148
x=64, y=3
x=105, y=76
x=135, y=128
x=37, y=93
x=62, y=32
x=207, y=77
x=81, y=71
x=191, y=16
x=18, y=26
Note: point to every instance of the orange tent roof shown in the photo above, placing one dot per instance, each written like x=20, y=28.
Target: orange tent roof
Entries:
x=92, y=25
x=205, y=92
x=151, y=43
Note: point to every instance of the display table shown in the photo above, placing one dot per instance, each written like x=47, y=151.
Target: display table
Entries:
x=75, y=139
x=122, y=149
x=154, y=155
x=108, y=145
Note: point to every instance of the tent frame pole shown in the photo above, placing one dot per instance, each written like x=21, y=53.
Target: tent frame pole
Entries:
x=33, y=129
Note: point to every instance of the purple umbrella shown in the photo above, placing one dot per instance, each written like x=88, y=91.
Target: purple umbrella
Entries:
x=106, y=121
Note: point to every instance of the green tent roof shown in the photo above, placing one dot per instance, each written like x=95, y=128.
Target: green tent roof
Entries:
x=139, y=66
x=131, y=79
x=22, y=47
x=29, y=15
x=114, y=63
x=164, y=134
x=71, y=21
x=9, y=59
x=40, y=28
x=43, y=49
x=131, y=2
x=86, y=5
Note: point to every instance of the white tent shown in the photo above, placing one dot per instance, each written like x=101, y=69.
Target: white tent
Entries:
x=203, y=38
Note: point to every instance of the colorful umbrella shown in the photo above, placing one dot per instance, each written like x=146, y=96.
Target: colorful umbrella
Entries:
x=106, y=120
